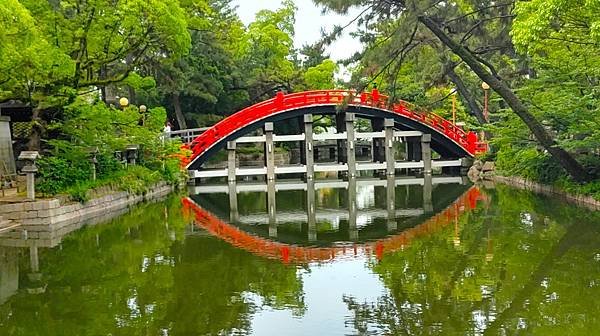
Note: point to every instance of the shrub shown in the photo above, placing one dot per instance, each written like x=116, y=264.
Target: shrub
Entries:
x=56, y=174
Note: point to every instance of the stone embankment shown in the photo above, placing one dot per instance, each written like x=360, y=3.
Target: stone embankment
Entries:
x=482, y=171
x=519, y=182
x=487, y=172
x=45, y=219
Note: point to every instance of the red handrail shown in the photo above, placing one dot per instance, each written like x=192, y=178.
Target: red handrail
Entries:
x=282, y=102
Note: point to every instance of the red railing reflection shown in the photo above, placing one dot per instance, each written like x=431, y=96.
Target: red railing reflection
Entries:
x=300, y=254
x=467, y=140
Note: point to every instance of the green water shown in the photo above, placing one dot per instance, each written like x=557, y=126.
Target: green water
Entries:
x=514, y=264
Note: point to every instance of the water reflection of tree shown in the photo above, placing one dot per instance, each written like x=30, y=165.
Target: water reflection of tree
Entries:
x=523, y=263
x=211, y=281
x=141, y=276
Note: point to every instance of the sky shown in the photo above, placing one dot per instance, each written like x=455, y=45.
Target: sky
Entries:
x=309, y=22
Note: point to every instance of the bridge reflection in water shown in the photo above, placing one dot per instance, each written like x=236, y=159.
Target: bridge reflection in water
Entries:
x=355, y=233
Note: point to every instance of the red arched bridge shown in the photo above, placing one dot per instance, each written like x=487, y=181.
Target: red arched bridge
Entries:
x=447, y=139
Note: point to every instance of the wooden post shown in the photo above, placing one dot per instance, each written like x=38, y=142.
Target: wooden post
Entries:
x=392, y=225
x=269, y=151
x=311, y=211
x=390, y=155
x=352, y=210
x=309, y=147
x=271, y=208
x=427, y=193
x=426, y=153
x=233, y=203
x=351, y=145
x=231, y=162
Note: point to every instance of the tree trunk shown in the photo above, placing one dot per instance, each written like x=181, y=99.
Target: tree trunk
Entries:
x=178, y=114
x=464, y=92
x=37, y=128
x=571, y=165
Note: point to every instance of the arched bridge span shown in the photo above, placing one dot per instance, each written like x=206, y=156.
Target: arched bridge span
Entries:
x=448, y=140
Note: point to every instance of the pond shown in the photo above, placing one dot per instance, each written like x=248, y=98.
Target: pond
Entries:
x=370, y=258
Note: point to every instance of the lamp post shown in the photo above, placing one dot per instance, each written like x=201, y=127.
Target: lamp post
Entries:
x=123, y=102
x=485, y=86
x=143, y=110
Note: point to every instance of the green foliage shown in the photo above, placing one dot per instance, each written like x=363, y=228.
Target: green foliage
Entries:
x=55, y=50
x=56, y=174
x=321, y=76
x=68, y=169
x=206, y=120
x=546, y=54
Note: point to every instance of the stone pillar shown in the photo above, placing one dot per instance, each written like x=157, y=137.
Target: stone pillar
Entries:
x=6, y=149
x=351, y=147
x=234, y=214
x=309, y=147
x=30, y=170
x=427, y=193
x=392, y=225
x=272, y=208
x=311, y=211
x=269, y=151
x=426, y=153
x=378, y=145
x=231, y=162
x=352, y=209
x=390, y=155
x=341, y=144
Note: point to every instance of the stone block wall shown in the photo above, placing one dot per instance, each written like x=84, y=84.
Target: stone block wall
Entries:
x=49, y=219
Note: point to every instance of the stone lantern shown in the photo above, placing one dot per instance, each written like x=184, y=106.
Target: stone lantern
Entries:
x=30, y=169
x=132, y=153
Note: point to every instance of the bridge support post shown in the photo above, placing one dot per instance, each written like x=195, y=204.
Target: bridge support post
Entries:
x=390, y=157
x=309, y=147
x=340, y=125
x=311, y=211
x=351, y=145
x=426, y=153
x=233, y=203
x=352, y=210
x=271, y=208
x=269, y=151
x=231, y=162
x=392, y=225
x=427, y=193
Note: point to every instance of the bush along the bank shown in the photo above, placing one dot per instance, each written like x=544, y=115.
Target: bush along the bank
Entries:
x=66, y=166
x=536, y=165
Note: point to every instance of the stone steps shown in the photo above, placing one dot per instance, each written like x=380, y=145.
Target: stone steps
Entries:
x=7, y=225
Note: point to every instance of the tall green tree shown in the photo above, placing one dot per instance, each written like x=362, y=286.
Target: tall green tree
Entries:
x=454, y=24
x=81, y=47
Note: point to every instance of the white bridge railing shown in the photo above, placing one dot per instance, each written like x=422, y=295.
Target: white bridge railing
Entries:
x=186, y=135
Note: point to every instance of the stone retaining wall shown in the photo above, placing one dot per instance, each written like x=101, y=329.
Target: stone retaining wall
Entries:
x=48, y=219
x=519, y=182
